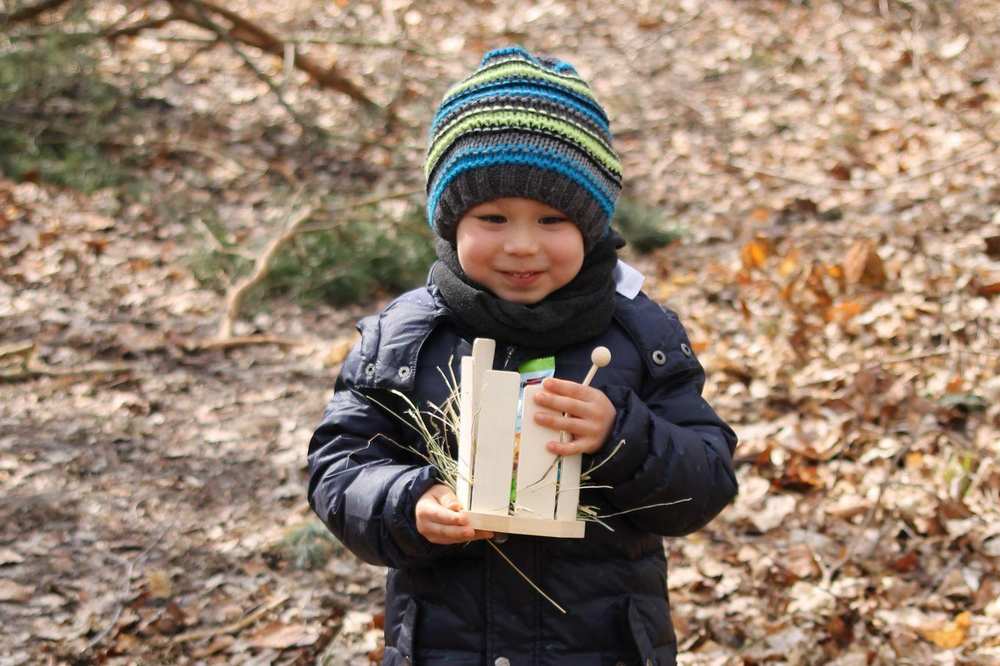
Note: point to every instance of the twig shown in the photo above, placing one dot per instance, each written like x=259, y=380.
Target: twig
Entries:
x=366, y=43
x=243, y=341
x=858, y=366
x=139, y=26
x=31, y=369
x=29, y=13
x=206, y=22
x=234, y=627
x=142, y=6
x=126, y=589
x=830, y=574
x=235, y=296
x=176, y=39
x=859, y=187
x=217, y=243
x=309, y=228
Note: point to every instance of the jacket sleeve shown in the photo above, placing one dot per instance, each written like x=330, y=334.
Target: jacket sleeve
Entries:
x=673, y=448
x=362, y=483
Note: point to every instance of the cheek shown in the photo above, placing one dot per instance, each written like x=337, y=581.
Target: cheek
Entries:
x=472, y=256
x=569, y=257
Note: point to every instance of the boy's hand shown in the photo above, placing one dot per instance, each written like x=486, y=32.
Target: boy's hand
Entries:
x=441, y=519
x=585, y=413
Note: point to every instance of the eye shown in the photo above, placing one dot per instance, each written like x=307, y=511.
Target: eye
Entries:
x=492, y=219
x=553, y=220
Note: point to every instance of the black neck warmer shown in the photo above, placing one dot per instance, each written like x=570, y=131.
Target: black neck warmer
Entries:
x=576, y=312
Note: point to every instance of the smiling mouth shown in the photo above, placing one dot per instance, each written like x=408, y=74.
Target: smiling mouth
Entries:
x=521, y=278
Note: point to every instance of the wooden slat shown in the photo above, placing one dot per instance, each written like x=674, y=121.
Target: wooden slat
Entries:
x=519, y=525
x=466, y=418
x=471, y=380
x=536, y=466
x=494, y=448
x=483, y=351
x=569, y=488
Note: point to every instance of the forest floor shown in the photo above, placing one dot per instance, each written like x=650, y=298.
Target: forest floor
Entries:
x=836, y=171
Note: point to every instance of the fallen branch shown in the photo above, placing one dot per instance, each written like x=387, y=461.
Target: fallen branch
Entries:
x=235, y=296
x=251, y=34
x=29, y=368
x=231, y=628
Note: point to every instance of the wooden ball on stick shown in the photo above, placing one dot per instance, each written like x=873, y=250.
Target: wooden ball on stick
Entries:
x=600, y=357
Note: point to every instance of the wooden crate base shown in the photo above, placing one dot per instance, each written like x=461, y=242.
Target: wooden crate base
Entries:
x=566, y=529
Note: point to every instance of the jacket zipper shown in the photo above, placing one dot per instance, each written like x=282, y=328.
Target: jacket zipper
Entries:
x=510, y=352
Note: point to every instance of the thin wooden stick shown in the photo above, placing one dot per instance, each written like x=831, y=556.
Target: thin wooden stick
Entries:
x=234, y=627
x=127, y=587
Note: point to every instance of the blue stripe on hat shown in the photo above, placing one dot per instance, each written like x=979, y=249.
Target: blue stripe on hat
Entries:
x=565, y=158
x=531, y=158
x=506, y=51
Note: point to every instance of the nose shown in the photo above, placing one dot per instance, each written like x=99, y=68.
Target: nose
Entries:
x=521, y=240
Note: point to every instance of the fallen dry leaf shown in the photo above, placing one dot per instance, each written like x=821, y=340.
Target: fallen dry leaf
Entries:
x=8, y=556
x=11, y=591
x=775, y=510
x=843, y=312
x=754, y=254
x=158, y=584
x=339, y=349
x=988, y=290
x=952, y=634
x=218, y=644
x=863, y=265
x=280, y=636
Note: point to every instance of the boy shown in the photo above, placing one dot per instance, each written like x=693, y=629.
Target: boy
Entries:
x=521, y=184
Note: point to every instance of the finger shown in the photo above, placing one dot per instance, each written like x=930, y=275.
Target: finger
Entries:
x=483, y=534
x=444, y=496
x=563, y=404
x=568, y=448
x=566, y=388
x=445, y=534
x=436, y=513
x=567, y=424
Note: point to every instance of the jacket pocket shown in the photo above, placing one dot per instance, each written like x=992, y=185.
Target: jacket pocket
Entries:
x=642, y=624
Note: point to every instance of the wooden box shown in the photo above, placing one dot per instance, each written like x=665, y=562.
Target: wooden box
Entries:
x=548, y=486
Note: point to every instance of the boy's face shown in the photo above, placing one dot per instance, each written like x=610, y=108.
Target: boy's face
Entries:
x=520, y=249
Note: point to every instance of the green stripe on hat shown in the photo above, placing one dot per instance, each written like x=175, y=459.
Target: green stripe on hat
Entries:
x=528, y=121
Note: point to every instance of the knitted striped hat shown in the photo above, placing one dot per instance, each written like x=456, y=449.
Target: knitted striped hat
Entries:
x=522, y=126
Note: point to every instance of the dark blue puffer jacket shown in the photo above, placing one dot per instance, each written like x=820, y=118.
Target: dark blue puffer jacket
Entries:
x=463, y=604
